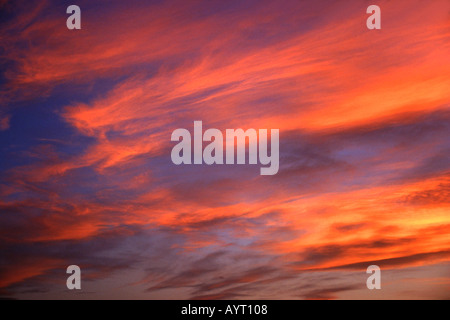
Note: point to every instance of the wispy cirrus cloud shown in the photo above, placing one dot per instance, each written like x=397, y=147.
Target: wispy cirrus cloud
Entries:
x=363, y=118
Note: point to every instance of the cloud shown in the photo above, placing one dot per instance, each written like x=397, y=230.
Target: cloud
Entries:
x=4, y=122
x=88, y=178
x=440, y=194
x=432, y=257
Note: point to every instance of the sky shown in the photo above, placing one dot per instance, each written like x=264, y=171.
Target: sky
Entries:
x=86, y=176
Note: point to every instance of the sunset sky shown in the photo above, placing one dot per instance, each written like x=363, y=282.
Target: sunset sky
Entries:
x=86, y=176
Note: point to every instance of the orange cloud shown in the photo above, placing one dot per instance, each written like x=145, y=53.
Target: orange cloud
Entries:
x=362, y=115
